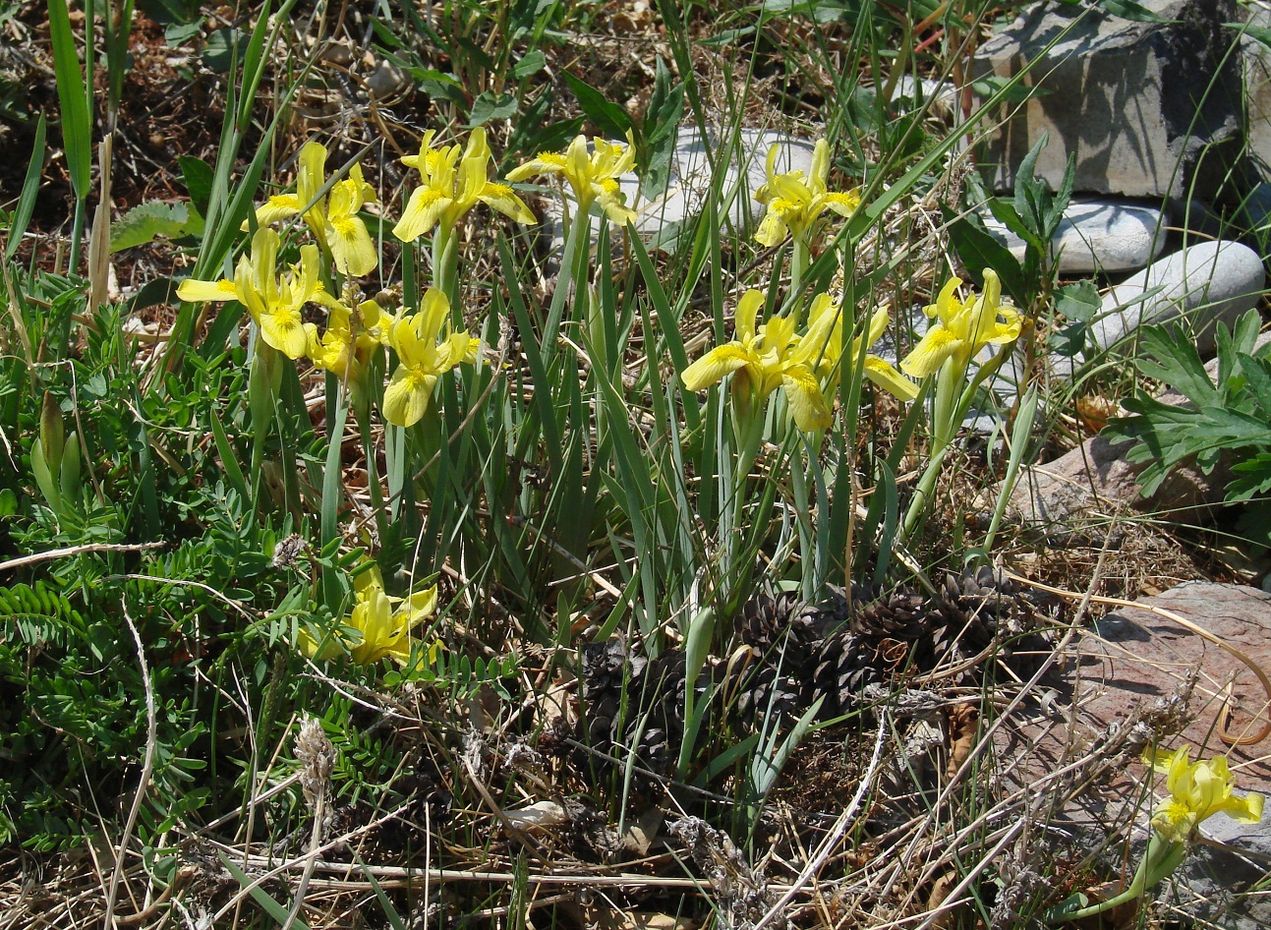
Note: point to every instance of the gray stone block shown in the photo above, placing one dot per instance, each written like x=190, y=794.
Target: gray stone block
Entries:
x=1137, y=104
x=1256, y=66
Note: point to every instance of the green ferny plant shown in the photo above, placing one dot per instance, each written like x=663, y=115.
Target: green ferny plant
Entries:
x=1227, y=415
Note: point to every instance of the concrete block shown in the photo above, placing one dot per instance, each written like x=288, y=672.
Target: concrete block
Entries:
x=1137, y=104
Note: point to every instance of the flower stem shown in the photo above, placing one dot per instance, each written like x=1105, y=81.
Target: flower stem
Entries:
x=943, y=424
x=1160, y=859
x=800, y=258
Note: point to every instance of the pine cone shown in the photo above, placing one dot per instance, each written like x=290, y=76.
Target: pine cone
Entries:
x=633, y=704
x=607, y=669
x=655, y=712
x=779, y=641
x=846, y=663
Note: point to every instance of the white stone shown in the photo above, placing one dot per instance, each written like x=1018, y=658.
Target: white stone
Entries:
x=387, y=80
x=1203, y=284
x=1096, y=236
x=940, y=96
x=742, y=158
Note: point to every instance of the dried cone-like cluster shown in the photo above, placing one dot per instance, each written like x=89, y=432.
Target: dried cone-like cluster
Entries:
x=787, y=654
x=634, y=702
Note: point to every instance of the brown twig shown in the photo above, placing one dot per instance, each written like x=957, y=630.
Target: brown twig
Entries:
x=49, y=555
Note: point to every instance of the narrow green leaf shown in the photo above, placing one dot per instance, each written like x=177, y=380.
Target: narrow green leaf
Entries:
x=72, y=95
x=267, y=902
x=229, y=459
x=30, y=187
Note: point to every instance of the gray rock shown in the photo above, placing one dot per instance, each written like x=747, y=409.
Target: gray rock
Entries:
x=1203, y=284
x=940, y=96
x=1090, y=485
x=387, y=81
x=1256, y=67
x=1137, y=104
x=1133, y=662
x=1097, y=236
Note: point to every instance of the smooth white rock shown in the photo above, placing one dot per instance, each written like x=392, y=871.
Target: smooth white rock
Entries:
x=940, y=95
x=1205, y=283
x=1096, y=236
x=742, y=158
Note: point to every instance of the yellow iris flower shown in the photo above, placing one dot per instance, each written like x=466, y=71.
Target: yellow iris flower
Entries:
x=1198, y=790
x=382, y=624
x=425, y=353
x=766, y=357
x=592, y=178
x=827, y=358
x=273, y=301
x=332, y=217
x=795, y=203
x=340, y=349
x=963, y=327
x=452, y=186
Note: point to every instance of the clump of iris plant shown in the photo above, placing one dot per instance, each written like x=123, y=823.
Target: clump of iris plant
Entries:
x=1197, y=791
x=962, y=327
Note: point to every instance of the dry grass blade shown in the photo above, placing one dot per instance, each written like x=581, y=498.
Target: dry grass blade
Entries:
x=147, y=768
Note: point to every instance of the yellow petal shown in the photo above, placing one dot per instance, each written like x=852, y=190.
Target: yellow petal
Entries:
x=845, y=203
x=807, y=403
x=763, y=193
x=352, y=250
x=195, y=291
x=276, y=208
x=747, y=314
x=930, y=353
x=285, y=333
x=616, y=209
x=889, y=379
x=327, y=650
x=947, y=304
x=548, y=163
x=504, y=199
x=877, y=326
x=422, y=212
x=434, y=312
x=312, y=174
x=820, y=171
x=406, y=398
x=772, y=231
x=712, y=367
x=1007, y=331
x=1247, y=809
x=419, y=606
